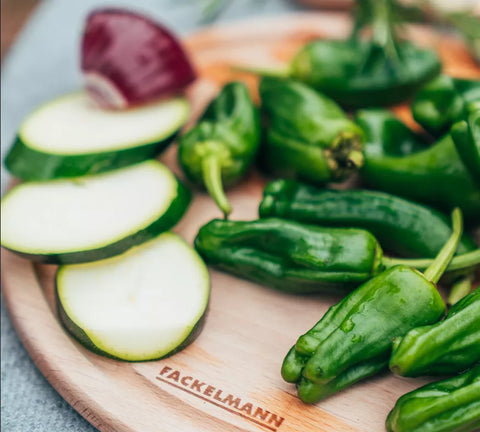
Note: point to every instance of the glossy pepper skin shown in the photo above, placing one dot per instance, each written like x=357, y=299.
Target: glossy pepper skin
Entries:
x=466, y=136
x=353, y=339
x=401, y=226
x=357, y=73
x=447, y=347
x=444, y=101
x=309, y=137
x=399, y=162
x=290, y=256
x=221, y=148
x=451, y=405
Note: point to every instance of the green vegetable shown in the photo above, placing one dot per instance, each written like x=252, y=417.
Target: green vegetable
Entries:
x=466, y=22
x=451, y=405
x=298, y=258
x=447, y=347
x=365, y=72
x=460, y=289
x=309, y=137
x=145, y=304
x=466, y=136
x=444, y=101
x=222, y=147
x=401, y=226
x=71, y=136
x=400, y=162
x=290, y=256
x=69, y=221
x=353, y=339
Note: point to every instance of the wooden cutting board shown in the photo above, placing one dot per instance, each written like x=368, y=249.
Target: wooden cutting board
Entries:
x=229, y=378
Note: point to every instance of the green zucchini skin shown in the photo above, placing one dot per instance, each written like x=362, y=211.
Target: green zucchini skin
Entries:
x=401, y=226
x=34, y=165
x=168, y=219
x=80, y=335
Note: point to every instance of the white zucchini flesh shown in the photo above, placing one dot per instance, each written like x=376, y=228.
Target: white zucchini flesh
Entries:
x=75, y=125
x=64, y=216
x=140, y=305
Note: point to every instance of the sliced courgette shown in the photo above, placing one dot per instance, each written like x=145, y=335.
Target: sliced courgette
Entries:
x=142, y=305
x=71, y=136
x=93, y=217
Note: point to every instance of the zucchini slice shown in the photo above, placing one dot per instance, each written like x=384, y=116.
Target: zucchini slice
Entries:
x=69, y=221
x=142, y=305
x=71, y=136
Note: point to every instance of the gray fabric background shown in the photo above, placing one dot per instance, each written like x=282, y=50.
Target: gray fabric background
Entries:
x=43, y=64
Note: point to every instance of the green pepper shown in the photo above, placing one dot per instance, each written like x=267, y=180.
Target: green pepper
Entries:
x=309, y=137
x=466, y=136
x=447, y=347
x=223, y=145
x=402, y=227
x=444, y=101
x=451, y=405
x=358, y=74
x=364, y=72
x=299, y=258
x=353, y=339
x=398, y=161
x=290, y=256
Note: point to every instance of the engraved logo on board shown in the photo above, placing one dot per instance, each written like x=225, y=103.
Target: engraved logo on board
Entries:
x=220, y=398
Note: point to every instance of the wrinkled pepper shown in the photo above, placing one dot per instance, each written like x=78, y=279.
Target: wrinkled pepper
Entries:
x=466, y=136
x=444, y=101
x=451, y=405
x=398, y=161
x=353, y=340
x=298, y=258
x=363, y=72
x=222, y=147
x=447, y=347
x=290, y=256
x=402, y=227
x=308, y=137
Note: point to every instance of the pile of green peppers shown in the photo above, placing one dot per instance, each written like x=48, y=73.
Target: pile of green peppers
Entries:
x=445, y=348
x=311, y=239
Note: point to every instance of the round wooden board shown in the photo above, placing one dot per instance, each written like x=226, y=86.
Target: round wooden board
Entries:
x=228, y=379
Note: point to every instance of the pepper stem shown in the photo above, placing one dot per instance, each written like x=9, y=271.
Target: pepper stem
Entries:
x=459, y=262
x=460, y=289
x=440, y=263
x=212, y=177
x=263, y=72
x=345, y=155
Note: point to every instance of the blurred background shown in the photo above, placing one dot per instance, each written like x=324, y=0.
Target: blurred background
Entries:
x=15, y=13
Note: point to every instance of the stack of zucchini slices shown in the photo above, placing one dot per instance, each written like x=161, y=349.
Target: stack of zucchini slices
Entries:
x=97, y=203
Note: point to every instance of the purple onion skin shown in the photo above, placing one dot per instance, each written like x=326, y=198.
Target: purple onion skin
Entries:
x=128, y=59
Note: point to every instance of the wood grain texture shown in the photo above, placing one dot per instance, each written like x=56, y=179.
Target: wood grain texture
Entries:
x=229, y=378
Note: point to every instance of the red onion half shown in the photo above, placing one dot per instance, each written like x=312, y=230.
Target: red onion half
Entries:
x=128, y=59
